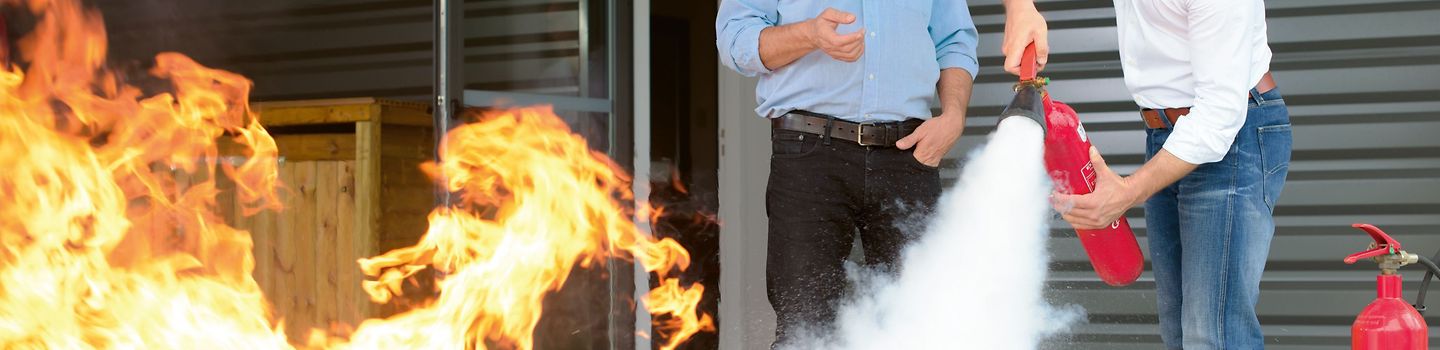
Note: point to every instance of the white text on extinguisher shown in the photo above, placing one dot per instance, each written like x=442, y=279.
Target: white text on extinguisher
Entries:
x=1088, y=172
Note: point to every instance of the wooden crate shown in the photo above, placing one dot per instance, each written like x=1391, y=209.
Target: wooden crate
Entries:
x=353, y=190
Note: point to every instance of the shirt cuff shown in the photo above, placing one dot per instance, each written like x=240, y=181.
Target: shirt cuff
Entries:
x=958, y=60
x=1195, y=144
x=748, y=48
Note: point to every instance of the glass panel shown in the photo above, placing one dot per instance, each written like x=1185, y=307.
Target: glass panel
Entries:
x=558, y=53
x=542, y=47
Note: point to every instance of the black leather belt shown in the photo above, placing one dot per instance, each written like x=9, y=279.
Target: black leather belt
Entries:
x=866, y=134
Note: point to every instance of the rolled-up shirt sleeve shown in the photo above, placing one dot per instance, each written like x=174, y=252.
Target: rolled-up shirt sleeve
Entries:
x=1221, y=33
x=737, y=33
x=955, y=36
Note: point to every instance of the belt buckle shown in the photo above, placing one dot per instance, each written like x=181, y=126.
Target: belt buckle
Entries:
x=860, y=134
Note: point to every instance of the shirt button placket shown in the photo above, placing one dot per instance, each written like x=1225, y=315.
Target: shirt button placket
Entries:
x=871, y=98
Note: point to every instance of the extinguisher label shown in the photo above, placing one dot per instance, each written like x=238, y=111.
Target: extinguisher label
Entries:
x=1088, y=171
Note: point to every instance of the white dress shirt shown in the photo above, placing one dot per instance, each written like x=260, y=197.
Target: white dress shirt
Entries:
x=1203, y=54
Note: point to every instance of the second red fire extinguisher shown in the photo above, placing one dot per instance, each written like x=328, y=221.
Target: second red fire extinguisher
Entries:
x=1388, y=322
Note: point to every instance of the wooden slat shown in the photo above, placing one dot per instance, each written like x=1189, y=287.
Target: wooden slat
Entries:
x=407, y=115
x=329, y=114
x=316, y=146
x=411, y=142
x=353, y=304
x=367, y=182
x=224, y=207
x=343, y=110
x=314, y=103
x=301, y=245
x=405, y=172
x=327, y=269
x=401, y=230
x=263, y=230
x=281, y=287
x=302, y=147
x=408, y=200
x=406, y=188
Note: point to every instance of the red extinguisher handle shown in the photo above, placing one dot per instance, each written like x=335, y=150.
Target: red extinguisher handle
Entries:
x=1028, y=67
x=1383, y=244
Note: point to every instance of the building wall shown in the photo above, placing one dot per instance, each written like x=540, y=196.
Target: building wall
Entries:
x=1360, y=78
x=747, y=322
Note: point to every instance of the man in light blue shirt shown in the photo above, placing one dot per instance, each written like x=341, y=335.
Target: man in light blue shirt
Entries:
x=847, y=86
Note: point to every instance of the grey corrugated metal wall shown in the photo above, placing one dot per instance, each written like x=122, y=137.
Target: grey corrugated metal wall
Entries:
x=1362, y=80
x=303, y=49
x=315, y=49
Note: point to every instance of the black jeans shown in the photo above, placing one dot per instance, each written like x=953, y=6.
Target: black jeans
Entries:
x=819, y=196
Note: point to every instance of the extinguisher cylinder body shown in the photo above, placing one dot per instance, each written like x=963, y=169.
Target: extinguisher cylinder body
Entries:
x=1113, y=250
x=1389, y=323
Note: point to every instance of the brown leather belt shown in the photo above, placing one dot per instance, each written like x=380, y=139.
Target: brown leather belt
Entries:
x=1152, y=116
x=866, y=134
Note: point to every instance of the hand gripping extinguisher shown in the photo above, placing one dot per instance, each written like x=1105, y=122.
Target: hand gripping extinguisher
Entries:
x=1389, y=323
x=1112, y=250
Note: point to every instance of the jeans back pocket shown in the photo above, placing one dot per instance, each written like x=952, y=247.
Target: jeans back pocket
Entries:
x=1275, y=147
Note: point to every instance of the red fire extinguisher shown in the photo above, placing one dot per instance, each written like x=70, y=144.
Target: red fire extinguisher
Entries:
x=1389, y=323
x=1113, y=251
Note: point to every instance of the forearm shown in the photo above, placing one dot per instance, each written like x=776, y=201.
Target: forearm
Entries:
x=782, y=45
x=954, y=91
x=1162, y=170
x=1011, y=5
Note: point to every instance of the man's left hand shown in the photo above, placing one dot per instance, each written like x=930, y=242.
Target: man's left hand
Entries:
x=933, y=138
x=1113, y=195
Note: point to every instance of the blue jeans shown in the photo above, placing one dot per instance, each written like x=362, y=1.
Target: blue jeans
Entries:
x=1210, y=233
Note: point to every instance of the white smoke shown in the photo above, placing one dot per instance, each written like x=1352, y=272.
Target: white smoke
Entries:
x=975, y=279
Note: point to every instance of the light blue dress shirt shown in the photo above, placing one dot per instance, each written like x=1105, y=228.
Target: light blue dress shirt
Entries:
x=907, y=43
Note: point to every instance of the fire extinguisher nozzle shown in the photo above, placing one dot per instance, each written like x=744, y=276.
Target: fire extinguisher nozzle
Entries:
x=1029, y=102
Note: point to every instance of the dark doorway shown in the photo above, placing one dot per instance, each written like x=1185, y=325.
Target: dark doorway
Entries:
x=685, y=143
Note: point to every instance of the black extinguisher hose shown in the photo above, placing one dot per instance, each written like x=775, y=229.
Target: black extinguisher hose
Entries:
x=1431, y=270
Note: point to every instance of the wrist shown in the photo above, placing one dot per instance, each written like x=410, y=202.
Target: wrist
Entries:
x=1134, y=192
x=807, y=31
x=1016, y=6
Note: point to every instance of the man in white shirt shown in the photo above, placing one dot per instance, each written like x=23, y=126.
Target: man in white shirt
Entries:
x=1217, y=153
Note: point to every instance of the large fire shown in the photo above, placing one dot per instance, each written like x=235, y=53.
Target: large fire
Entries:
x=103, y=248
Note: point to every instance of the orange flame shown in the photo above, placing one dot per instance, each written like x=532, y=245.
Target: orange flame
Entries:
x=532, y=206
x=111, y=237
x=102, y=249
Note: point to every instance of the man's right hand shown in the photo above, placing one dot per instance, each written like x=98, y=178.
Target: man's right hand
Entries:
x=1024, y=25
x=823, y=37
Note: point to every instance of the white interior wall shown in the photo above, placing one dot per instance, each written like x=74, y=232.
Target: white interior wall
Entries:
x=746, y=320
